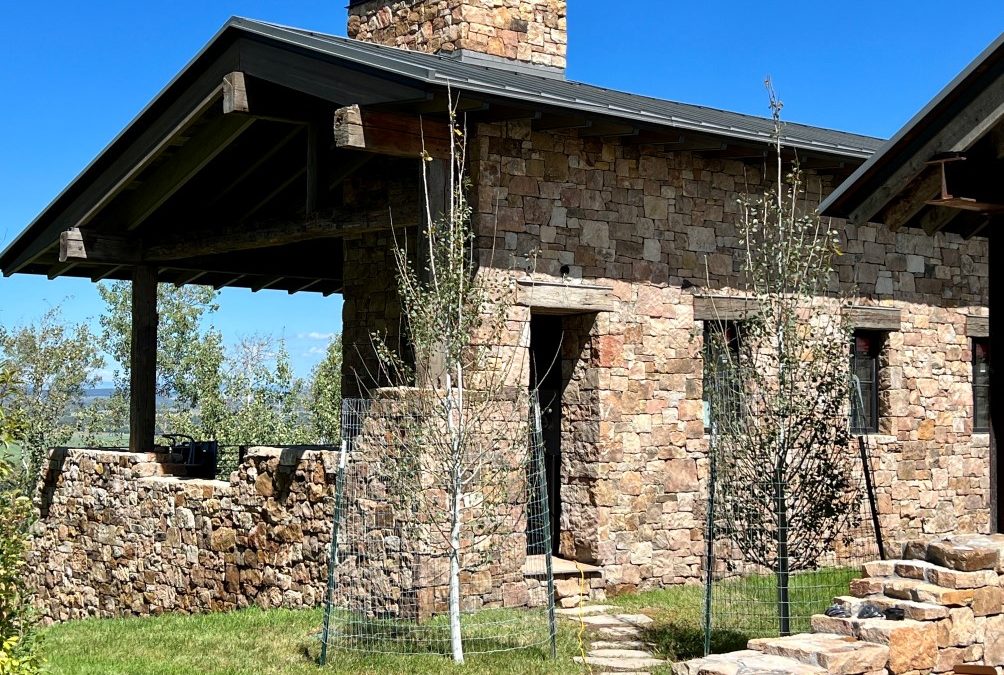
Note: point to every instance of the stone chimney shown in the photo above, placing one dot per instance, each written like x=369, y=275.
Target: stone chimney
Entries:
x=517, y=32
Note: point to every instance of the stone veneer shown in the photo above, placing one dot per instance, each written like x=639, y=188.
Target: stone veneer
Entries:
x=531, y=31
x=657, y=228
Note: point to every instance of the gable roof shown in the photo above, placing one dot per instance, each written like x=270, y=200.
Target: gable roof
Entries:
x=947, y=120
x=346, y=71
x=546, y=89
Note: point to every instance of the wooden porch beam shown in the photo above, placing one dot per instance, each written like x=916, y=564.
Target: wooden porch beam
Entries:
x=393, y=134
x=78, y=246
x=234, y=239
x=143, y=360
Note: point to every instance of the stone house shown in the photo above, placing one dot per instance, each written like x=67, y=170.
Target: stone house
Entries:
x=628, y=204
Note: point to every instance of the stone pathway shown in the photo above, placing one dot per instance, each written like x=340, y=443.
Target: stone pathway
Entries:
x=615, y=641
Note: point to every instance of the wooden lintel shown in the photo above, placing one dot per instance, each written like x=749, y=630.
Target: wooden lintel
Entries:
x=874, y=318
x=394, y=134
x=563, y=298
x=79, y=246
x=723, y=308
x=977, y=326
x=235, y=93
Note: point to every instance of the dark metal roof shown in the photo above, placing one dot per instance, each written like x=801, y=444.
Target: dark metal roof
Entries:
x=405, y=75
x=915, y=135
x=548, y=90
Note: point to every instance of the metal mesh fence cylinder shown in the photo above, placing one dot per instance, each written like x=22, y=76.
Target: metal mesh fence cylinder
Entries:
x=416, y=498
x=788, y=523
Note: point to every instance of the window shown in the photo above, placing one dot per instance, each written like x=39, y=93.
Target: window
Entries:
x=981, y=384
x=864, y=408
x=721, y=381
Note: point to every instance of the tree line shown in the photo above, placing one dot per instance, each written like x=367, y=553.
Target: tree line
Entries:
x=245, y=394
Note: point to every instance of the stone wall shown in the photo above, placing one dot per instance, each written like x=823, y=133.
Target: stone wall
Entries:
x=532, y=31
x=657, y=228
x=117, y=537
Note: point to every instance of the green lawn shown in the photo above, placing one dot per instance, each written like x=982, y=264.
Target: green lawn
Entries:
x=743, y=608
x=259, y=643
x=280, y=642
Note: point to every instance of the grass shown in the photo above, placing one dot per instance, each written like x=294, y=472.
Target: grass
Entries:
x=744, y=608
x=274, y=642
x=281, y=642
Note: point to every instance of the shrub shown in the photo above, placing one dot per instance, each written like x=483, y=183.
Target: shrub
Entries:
x=18, y=648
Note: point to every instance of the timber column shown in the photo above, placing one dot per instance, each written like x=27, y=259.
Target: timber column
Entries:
x=143, y=360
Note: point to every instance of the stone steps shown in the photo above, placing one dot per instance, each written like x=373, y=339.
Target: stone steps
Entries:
x=746, y=661
x=951, y=592
x=620, y=647
x=834, y=653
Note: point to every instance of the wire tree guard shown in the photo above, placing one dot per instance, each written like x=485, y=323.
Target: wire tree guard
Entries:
x=768, y=572
x=389, y=560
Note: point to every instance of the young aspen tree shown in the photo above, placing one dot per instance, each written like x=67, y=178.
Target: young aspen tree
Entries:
x=786, y=491
x=466, y=449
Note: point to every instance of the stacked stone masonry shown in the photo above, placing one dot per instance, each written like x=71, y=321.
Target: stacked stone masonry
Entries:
x=659, y=228
x=950, y=592
x=531, y=31
x=118, y=537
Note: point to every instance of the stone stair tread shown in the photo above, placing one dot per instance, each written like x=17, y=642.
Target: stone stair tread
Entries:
x=584, y=610
x=922, y=591
x=748, y=661
x=917, y=611
x=620, y=664
x=838, y=654
x=635, y=619
x=617, y=632
x=965, y=553
x=618, y=653
x=621, y=644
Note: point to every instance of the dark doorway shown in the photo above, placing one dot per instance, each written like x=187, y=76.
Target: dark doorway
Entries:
x=546, y=377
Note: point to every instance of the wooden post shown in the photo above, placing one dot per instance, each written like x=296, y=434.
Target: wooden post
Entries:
x=143, y=360
x=996, y=303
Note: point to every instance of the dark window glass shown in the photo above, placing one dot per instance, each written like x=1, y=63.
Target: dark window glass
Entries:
x=721, y=379
x=981, y=385
x=865, y=347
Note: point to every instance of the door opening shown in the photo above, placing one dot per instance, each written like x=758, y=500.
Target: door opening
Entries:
x=546, y=377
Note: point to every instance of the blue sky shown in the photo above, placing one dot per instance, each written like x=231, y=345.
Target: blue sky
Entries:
x=75, y=73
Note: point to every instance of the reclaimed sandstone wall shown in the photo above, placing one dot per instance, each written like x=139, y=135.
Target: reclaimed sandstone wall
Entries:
x=533, y=31
x=647, y=223
x=116, y=537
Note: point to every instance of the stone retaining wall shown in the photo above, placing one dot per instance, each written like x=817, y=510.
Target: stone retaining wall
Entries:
x=117, y=537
